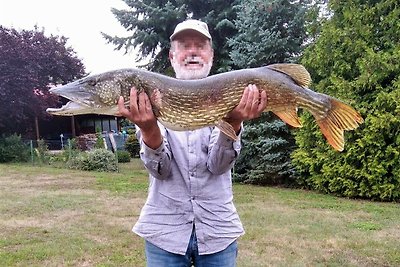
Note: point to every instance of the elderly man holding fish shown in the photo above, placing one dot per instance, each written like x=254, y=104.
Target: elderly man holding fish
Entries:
x=189, y=129
x=189, y=216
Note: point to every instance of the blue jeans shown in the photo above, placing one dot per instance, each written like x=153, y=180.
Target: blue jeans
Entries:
x=157, y=257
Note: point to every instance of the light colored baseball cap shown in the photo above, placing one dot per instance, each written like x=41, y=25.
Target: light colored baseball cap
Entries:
x=191, y=24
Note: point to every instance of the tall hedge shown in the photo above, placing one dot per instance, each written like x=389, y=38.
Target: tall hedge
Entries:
x=357, y=59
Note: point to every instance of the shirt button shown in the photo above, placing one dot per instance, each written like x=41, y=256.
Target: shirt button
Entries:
x=192, y=198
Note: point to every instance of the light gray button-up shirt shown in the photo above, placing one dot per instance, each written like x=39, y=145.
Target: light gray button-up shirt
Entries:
x=190, y=183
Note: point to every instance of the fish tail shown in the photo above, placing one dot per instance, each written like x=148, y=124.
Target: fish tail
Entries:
x=339, y=118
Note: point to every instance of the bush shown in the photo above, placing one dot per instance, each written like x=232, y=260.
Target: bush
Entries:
x=94, y=160
x=13, y=149
x=123, y=156
x=345, y=63
x=132, y=145
x=99, y=140
x=42, y=152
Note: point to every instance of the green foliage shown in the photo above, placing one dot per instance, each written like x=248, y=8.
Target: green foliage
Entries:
x=268, y=32
x=13, y=149
x=357, y=59
x=70, y=150
x=123, y=156
x=42, y=152
x=59, y=159
x=265, y=156
x=71, y=144
x=126, y=124
x=99, y=140
x=152, y=22
x=132, y=145
x=94, y=160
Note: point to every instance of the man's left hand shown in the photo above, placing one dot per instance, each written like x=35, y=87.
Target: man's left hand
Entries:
x=251, y=105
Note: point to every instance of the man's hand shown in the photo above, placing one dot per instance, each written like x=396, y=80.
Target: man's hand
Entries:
x=251, y=105
x=140, y=113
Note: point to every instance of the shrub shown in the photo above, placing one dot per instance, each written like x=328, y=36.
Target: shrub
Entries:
x=13, y=149
x=94, y=160
x=132, y=145
x=42, y=152
x=345, y=63
x=123, y=156
x=99, y=141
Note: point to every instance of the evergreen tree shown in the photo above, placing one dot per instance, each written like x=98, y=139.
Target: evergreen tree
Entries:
x=152, y=22
x=268, y=32
x=357, y=59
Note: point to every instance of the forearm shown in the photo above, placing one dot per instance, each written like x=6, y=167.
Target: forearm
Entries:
x=236, y=124
x=152, y=137
x=222, y=152
x=157, y=160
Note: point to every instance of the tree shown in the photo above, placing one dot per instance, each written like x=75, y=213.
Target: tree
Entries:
x=268, y=32
x=30, y=62
x=357, y=59
x=271, y=31
x=265, y=156
x=152, y=22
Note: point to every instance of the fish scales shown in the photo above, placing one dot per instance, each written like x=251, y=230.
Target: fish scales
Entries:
x=191, y=104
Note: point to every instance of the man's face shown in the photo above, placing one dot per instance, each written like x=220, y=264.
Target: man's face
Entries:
x=191, y=56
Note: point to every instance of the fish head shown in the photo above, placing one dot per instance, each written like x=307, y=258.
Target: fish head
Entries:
x=93, y=94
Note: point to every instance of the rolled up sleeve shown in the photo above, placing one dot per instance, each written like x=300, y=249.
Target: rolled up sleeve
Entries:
x=223, y=152
x=157, y=161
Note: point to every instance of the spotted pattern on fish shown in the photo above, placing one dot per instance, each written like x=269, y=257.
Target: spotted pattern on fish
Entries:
x=191, y=104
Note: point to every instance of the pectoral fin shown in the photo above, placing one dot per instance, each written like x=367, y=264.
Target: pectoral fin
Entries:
x=227, y=129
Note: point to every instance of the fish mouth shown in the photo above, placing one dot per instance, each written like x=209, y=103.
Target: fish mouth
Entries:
x=70, y=109
x=81, y=100
x=73, y=108
x=76, y=92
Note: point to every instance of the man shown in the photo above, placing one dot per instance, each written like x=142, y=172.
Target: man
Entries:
x=189, y=217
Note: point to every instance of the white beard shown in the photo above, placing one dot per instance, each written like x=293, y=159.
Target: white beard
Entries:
x=189, y=74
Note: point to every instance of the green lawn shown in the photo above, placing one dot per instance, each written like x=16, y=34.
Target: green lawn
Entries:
x=59, y=217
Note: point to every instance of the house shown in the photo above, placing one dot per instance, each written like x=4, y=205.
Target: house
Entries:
x=60, y=127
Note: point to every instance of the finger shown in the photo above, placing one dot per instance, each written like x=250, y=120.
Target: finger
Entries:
x=142, y=102
x=133, y=103
x=121, y=106
x=244, y=98
x=253, y=100
x=263, y=102
x=147, y=103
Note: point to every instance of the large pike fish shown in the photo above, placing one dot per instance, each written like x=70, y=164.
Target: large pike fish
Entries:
x=191, y=104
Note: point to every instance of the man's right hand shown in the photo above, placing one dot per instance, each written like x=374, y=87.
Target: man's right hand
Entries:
x=141, y=113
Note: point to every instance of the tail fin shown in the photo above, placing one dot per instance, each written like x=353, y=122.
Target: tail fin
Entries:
x=341, y=117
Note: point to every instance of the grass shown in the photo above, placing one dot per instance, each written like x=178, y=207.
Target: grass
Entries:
x=58, y=217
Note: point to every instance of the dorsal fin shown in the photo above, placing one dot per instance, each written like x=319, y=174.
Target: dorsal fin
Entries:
x=296, y=71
